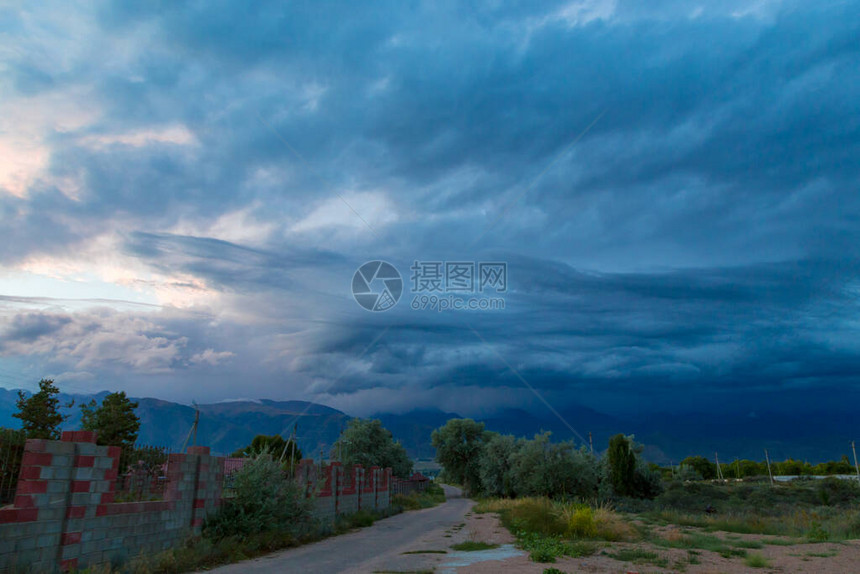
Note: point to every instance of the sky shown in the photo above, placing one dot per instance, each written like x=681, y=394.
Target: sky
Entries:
x=188, y=188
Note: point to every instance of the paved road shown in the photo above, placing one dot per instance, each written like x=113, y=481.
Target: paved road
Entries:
x=376, y=548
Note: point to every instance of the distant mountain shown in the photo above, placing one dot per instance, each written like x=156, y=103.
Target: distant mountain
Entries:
x=230, y=425
x=225, y=427
x=413, y=429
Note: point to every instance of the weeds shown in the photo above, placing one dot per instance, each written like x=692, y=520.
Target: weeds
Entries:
x=639, y=556
x=757, y=561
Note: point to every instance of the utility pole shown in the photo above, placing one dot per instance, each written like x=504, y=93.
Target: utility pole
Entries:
x=293, y=447
x=196, y=421
x=857, y=468
x=591, y=442
x=719, y=470
x=767, y=458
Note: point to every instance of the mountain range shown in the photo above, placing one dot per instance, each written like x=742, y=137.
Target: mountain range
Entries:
x=667, y=437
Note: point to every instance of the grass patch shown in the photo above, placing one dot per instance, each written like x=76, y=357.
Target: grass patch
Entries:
x=639, y=556
x=779, y=541
x=548, y=548
x=757, y=561
x=471, y=546
x=702, y=541
x=822, y=554
x=746, y=543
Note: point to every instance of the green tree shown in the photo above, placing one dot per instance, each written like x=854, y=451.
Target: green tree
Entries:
x=495, y=470
x=628, y=474
x=40, y=413
x=621, y=461
x=368, y=443
x=276, y=446
x=115, y=420
x=540, y=467
x=706, y=469
x=458, y=445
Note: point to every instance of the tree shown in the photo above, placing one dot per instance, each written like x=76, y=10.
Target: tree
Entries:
x=115, y=420
x=458, y=445
x=368, y=443
x=621, y=460
x=495, y=470
x=628, y=474
x=557, y=470
x=703, y=466
x=40, y=413
x=279, y=448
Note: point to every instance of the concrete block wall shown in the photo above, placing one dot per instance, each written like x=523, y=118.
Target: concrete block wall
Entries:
x=64, y=515
x=339, y=491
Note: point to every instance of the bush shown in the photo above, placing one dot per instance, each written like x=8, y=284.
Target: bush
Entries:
x=757, y=561
x=837, y=492
x=581, y=523
x=264, y=501
x=535, y=515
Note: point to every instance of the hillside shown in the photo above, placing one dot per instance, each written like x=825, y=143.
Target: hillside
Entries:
x=229, y=425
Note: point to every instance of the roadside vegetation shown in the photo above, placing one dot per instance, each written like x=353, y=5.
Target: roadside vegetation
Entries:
x=433, y=495
x=560, y=501
x=268, y=511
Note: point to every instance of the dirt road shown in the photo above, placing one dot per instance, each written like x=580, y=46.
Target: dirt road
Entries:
x=381, y=547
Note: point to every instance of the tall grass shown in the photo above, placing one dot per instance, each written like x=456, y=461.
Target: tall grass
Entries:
x=547, y=528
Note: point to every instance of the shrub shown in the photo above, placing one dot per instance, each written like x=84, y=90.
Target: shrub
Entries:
x=581, y=523
x=610, y=526
x=543, y=548
x=535, y=515
x=756, y=561
x=264, y=500
x=833, y=491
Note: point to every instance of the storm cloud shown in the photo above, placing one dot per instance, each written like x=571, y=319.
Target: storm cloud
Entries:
x=186, y=191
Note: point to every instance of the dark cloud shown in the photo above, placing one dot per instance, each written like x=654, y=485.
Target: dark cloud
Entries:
x=701, y=236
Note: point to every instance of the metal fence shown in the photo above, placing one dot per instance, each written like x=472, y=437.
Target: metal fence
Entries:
x=232, y=465
x=11, y=453
x=142, y=473
x=408, y=486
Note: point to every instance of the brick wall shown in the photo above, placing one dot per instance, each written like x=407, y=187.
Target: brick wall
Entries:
x=64, y=514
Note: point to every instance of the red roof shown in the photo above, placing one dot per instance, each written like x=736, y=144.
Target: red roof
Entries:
x=418, y=477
